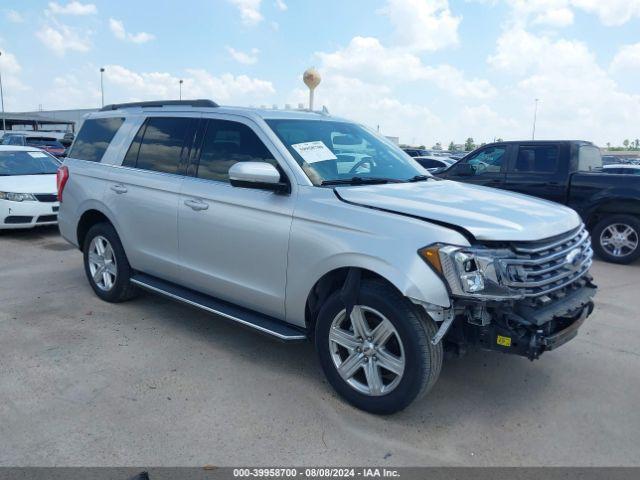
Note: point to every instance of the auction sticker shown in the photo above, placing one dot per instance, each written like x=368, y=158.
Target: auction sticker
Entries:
x=312, y=152
x=38, y=154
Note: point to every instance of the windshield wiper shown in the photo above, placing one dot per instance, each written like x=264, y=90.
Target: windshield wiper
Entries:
x=359, y=181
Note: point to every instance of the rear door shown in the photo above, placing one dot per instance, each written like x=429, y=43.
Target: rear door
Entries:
x=233, y=240
x=143, y=193
x=539, y=169
x=485, y=167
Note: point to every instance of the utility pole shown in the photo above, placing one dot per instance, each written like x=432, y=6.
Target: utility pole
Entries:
x=102, y=84
x=535, y=115
x=4, y=122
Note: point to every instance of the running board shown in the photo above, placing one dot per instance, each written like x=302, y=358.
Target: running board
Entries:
x=248, y=318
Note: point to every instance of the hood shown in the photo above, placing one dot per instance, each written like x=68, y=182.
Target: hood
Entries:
x=28, y=184
x=487, y=213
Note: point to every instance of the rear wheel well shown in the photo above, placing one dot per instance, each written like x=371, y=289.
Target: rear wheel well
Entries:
x=88, y=220
x=329, y=283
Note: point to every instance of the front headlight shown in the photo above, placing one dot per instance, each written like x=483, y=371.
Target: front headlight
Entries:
x=17, y=197
x=470, y=271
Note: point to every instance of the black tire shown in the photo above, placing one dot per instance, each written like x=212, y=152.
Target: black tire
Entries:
x=423, y=361
x=602, y=251
x=122, y=288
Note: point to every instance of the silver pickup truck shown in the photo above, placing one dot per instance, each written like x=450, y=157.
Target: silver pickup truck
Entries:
x=304, y=226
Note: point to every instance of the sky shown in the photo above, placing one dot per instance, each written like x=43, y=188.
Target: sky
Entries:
x=426, y=71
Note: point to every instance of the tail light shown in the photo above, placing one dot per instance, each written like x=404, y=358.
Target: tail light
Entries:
x=61, y=180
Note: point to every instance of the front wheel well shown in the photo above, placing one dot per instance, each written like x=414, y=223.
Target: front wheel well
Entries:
x=88, y=220
x=329, y=283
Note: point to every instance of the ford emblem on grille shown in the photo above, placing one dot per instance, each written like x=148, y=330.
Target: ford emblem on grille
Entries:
x=573, y=259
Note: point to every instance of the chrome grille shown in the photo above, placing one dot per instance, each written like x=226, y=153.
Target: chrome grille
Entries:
x=539, y=268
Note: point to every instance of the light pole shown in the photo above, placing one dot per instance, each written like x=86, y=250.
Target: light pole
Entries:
x=535, y=115
x=181, y=82
x=4, y=124
x=102, y=84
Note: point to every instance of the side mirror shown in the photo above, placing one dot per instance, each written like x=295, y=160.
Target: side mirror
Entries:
x=260, y=175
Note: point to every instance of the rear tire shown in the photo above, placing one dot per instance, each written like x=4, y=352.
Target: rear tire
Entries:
x=407, y=349
x=616, y=239
x=106, y=264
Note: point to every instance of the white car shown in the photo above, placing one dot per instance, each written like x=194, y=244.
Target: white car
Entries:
x=28, y=192
x=622, y=169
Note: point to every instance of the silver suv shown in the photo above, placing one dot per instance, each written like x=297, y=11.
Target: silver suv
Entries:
x=304, y=226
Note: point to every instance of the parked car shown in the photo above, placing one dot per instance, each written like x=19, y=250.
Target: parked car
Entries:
x=416, y=152
x=567, y=172
x=435, y=164
x=244, y=213
x=28, y=194
x=48, y=144
x=622, y=169
x=67, y=139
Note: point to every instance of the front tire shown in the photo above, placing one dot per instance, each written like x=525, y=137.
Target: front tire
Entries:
x=616, y=239
x=106, y=264
x=380, y=359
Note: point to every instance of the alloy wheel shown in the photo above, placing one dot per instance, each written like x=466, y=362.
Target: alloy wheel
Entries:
x=619, y=239
x=102, y=263
x=367, y=351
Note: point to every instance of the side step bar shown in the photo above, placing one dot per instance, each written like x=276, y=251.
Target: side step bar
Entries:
x=248, y=318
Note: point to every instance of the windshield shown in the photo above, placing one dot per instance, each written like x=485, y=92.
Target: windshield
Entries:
x=332, y=152
x=27, y=163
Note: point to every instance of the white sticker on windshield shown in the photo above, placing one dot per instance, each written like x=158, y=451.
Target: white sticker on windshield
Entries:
x=312, y=152
x=37, y=154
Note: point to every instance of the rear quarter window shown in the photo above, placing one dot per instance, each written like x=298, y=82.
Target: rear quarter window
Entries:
x=94, y=138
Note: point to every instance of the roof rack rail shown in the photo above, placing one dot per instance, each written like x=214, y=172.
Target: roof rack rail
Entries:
x=161, y=103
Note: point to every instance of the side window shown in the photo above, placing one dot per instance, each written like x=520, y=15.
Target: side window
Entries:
x=161, y=146
x=537, y=159
x=94, y=138
x=589, y=158
x=226, y=143
x=488, y=160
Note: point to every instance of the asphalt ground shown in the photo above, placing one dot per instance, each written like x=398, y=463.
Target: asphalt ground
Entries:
x=154, y=382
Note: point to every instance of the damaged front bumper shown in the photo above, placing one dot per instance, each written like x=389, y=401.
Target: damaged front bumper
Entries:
x=521, y=328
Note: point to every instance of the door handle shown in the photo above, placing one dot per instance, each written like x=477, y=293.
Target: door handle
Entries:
x=119, y=188
x=196, y=205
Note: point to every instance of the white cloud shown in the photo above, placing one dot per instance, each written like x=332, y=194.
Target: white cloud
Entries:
x=366, y=58
x=249, y=11
x=281, y=5
x=198, y=83
x=12, y=83
x=118, y=30
x=423, y=25
x=560, y=13
x=627, y=58
x=553, y=13
x=73, y=8
x=578, y=98
x=373, y=105
x=14, y=16
x=611, y=12
x=61, y=38
x=246, y=58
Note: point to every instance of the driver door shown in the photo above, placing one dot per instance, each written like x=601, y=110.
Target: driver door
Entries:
x=486, y=167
